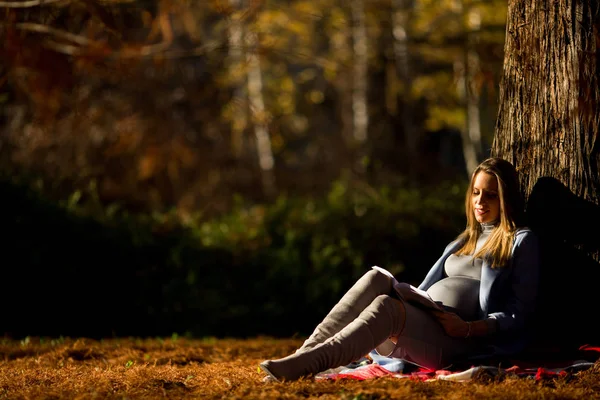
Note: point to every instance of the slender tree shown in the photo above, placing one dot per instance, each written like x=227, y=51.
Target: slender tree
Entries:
x=235, y=36
x=264, y=149
x=466, y=66
x=359, y=95
x=402, y=10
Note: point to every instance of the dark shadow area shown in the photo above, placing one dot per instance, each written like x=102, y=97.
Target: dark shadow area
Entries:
x=567, y=227
x=66, y=272
x=68, y=275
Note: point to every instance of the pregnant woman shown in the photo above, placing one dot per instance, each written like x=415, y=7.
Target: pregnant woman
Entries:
x=476, y=300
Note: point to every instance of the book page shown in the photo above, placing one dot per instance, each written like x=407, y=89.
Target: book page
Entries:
x=409, y=292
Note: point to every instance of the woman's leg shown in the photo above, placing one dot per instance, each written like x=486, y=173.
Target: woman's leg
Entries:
x=382, y=318
x=424, y=342
x=372, y=284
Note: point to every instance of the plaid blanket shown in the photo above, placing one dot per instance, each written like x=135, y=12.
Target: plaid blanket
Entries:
x=375, y=366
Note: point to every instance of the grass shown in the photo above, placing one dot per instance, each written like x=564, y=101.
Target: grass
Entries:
x=178, y=368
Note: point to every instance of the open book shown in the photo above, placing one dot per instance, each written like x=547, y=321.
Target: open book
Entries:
x=411, y=293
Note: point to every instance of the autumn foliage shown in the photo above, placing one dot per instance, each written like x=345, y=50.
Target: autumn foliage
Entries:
x=178, y=368
x=150, y=101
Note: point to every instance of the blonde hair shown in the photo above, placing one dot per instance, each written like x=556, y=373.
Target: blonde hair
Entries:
x=498, y=247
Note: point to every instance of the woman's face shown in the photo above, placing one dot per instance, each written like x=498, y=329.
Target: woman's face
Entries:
x=484, y=198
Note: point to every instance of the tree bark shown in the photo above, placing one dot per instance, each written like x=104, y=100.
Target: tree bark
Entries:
x=547, y=126
x=549, y=109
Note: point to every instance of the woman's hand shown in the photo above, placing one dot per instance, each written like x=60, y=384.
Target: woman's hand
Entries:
x=453, y=325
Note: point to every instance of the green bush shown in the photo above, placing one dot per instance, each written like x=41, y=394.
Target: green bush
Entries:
x=271, y=269
x=302, y=254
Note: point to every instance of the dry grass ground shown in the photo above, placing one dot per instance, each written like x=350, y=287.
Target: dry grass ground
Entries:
x=226, y=369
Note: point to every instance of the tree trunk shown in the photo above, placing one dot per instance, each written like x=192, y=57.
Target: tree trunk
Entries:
x=360, y=112
x=401, y=11
x=239, y=116
x=266, y=160
x=466, y=67
x=549, y=110
x=548, y=124
x=359, y=93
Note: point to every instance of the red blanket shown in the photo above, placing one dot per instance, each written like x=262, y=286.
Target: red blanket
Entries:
x=542, y=369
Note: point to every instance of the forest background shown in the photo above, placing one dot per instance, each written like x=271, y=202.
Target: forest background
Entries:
x=229, y=168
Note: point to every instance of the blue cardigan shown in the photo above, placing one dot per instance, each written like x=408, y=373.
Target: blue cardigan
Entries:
x=507, y=294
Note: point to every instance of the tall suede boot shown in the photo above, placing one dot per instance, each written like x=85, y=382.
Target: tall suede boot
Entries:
x=383, y=318
x=372, y=284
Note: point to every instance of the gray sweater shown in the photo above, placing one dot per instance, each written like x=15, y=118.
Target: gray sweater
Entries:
x=458, y=291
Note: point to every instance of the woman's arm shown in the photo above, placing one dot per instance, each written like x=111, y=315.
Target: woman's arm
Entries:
x=455, y=326
x=515, y=297
x=517, y=304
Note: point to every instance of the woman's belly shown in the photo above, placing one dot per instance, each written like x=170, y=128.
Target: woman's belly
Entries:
x=459, y=294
